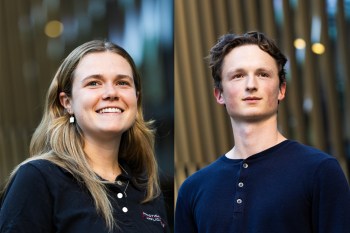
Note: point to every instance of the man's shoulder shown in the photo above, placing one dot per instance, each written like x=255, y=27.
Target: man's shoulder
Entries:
x=306, y=151
x=203, y=175
x=307, y=157
x=207, y=169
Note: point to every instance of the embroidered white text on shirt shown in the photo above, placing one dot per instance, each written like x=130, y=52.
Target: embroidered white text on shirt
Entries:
x=153, y=217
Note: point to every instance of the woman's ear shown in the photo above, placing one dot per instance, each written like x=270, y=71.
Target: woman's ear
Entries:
x=218, y=96
x=66, y=102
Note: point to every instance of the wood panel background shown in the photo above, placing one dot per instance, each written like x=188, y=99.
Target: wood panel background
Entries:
x=316, y=110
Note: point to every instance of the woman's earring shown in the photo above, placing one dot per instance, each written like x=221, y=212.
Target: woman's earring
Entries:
x=71, y=119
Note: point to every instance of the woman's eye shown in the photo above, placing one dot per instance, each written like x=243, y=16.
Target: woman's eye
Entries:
x=123, y=83
x=93, y=83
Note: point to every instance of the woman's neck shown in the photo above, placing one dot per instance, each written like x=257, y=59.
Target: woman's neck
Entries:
x=103, y=158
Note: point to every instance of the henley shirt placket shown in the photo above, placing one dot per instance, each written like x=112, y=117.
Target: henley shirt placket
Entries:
x=240, y=196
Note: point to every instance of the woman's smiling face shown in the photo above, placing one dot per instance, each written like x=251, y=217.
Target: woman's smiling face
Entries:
x=104, y=97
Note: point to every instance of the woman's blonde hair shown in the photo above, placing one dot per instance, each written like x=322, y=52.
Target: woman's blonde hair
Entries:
x=62, y=143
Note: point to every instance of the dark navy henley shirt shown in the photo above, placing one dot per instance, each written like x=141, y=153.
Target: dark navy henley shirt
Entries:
x=288, y=188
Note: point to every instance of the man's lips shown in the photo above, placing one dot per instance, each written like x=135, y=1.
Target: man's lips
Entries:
x=251, y=98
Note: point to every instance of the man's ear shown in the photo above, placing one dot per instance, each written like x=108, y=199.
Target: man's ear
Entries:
x=282, y=91
x=66, y=102
x=218, y=96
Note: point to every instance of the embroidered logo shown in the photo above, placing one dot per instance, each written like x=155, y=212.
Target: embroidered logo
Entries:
x=153, y=218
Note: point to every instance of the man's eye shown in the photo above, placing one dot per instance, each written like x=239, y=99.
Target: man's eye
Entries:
x=238, y=76
x=265, y=75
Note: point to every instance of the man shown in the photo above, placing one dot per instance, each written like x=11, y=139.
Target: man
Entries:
x=265, y=183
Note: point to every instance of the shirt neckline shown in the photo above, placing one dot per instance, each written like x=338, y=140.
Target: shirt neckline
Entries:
x=264, y=153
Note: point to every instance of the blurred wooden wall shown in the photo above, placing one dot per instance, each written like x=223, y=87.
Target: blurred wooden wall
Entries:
x=316, y=110
x=29, y=58
x=24, y=74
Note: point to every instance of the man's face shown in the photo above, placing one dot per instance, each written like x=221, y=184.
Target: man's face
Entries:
x=250, y=84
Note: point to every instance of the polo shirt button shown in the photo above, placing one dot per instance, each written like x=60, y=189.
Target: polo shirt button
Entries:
x=120, y=195
x=239, y=201
x=119, y=182
x=245, y=165
x=125, y=209
x=240, y=184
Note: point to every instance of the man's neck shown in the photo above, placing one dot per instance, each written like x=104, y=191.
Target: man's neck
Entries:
x=254, y=137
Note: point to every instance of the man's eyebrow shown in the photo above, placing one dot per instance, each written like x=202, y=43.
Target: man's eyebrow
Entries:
x=233, y=71
x=268, y=70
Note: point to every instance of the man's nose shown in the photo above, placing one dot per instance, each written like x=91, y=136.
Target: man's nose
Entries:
x=251, y=83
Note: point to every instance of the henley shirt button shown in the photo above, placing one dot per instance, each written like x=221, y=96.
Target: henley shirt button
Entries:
x=245, y=165
x=125, y=209
x=120, y=195
x=239, y=201
x=119, y=182
x=240, y=184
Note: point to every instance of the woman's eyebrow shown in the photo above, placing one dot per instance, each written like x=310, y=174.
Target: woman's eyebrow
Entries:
x=100, y=77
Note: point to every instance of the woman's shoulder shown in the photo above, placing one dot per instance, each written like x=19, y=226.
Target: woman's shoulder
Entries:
x=41, y=169
x=31, y=176
x=39, y=165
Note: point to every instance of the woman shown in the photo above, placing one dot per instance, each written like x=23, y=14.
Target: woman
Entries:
x=92, y=165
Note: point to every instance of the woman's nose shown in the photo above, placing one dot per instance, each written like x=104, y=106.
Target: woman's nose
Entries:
x=110, y=92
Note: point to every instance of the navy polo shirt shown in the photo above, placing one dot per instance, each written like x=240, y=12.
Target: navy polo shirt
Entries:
x=43, y=197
